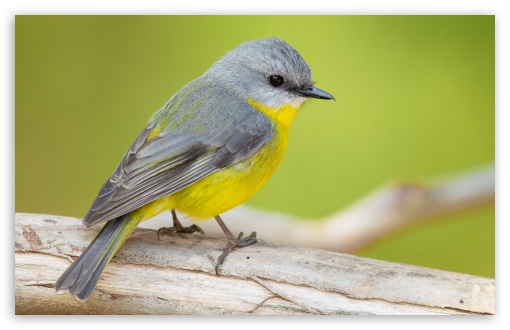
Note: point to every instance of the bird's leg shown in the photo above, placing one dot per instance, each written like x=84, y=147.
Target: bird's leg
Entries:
x=232, y=242
x=179, y=228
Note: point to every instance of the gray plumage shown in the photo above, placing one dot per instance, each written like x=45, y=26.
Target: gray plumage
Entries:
x=82, y=276
x=207, y=126
x=246, y=69
x=212, y=137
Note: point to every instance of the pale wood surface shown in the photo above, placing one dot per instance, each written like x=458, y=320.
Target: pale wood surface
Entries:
x=176, y=276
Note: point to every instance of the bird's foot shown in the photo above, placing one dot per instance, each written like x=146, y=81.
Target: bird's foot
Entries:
x=179, y=229
x=234, y=243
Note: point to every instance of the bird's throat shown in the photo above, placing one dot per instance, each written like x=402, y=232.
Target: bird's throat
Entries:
x=281, y=116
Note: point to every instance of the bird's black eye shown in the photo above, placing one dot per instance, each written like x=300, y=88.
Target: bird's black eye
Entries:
x=276, y=80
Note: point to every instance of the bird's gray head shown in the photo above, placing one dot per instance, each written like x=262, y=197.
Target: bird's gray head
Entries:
x=268, y=71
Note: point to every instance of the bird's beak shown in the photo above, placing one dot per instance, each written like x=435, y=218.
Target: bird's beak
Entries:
x=315, y=93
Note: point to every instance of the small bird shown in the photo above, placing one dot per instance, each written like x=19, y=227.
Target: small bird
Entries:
x=212, y=146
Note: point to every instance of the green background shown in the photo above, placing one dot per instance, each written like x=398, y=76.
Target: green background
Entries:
x=415, y=100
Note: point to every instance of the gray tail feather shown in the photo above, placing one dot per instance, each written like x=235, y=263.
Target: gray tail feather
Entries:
x=82, y=276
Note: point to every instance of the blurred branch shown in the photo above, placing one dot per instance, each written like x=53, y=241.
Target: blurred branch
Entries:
x=376, y=215
x=175, y=275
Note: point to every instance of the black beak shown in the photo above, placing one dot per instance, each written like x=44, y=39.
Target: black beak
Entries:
x=315, y=93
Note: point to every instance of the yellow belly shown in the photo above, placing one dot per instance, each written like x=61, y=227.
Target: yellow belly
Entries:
x=229, y=187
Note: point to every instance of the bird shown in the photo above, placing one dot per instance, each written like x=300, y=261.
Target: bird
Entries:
x=209, y=148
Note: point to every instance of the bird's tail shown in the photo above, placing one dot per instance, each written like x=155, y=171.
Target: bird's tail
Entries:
x=82, y=276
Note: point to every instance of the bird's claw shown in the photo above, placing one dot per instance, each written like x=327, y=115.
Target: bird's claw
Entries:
x=233, y=243
x=179, y=229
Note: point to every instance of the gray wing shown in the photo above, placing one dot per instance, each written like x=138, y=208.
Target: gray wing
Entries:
x=176, y=159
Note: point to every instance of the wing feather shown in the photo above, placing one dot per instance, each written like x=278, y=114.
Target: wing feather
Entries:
x=170, y=162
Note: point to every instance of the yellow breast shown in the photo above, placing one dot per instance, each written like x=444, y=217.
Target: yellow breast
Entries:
x=227, y=188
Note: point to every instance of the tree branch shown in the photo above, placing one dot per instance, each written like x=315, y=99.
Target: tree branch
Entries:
x=176, y=276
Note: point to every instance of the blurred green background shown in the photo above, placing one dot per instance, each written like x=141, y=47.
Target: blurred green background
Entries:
x=415, y=100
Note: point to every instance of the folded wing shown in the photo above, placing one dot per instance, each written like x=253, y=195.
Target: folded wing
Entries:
x=172, y=160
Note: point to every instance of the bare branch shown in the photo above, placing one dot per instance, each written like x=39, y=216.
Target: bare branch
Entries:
x=176, y=276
